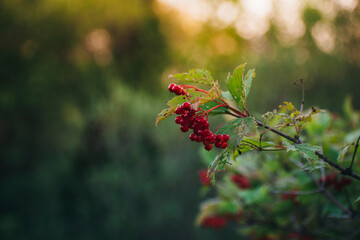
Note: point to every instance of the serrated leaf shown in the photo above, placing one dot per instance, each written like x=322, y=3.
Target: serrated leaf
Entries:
x=248, y=80
x=165, y=113
x=236, y=86
x=218, y=164
x=237, y=129
x=195, y=75
x=227, y=95
x=307, y=150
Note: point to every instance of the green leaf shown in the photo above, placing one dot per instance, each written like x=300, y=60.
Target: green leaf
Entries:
x=207, y=106
x=237, y=129
x=165, y=113
x=248, y=80
x=219, y=164
x=195, y=75
x=227, y=94
x=307, y=150
x=236, y=86
x=257, y=195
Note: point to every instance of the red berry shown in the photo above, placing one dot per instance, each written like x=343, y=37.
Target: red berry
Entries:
x=171, y=87
x=186, y=106
x=226, y=137
x=178, y=120
x=219, y=138
x=208, y=146
x=240, y=181
x=184, y=128
x=224, y=145
x=192, y=137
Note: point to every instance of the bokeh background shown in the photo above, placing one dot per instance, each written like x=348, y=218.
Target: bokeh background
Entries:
x=82, y=82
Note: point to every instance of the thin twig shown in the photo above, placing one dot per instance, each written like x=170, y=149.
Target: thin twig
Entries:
x=303, y=93
x=353, y=157
x=344, y=171
x=296, y=192
x=324, y=191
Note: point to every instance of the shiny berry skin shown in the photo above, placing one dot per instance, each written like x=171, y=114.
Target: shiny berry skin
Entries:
x=192, y=137
x=171, y=87
x=184, y=128
x=208, y=147
x=178, y=120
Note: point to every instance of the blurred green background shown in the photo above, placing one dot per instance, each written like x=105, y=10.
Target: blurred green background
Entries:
x=82, y=82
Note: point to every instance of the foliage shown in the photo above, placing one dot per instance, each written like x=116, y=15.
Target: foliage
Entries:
x=273, y=185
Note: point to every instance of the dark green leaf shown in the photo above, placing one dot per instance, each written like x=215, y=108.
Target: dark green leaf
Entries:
x=248, y=80
x=236, y=86
x=307, y=150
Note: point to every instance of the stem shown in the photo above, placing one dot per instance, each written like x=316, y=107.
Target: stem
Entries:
x=324, y=191
x=344, y=171
x=294, y=140
x=353, y=157
x=296, y=192
x=197, y=89
x=208, y=111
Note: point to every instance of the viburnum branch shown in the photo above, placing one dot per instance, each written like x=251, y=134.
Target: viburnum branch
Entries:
x=324, y=191
x=344, y=171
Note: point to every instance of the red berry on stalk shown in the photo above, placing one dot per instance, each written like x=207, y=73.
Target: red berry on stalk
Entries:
x=226, y=137
x=184, y=128
x=178, y=120
x=192, y=137
x=240, y=181
x=208, y=146
x=171, y=87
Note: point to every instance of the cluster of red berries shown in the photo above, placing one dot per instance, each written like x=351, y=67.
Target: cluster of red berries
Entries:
x=240, y=181
x=216, y=222
x=289, y=196
x=331, y=180
x=220, y=221
x=177, y=89
x=189, y=120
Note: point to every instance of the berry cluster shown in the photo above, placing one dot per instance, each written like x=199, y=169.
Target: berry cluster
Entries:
x=189, y=120
x=240, y=181
x=177, y=89
x=219, y=221
x=216, y=222
x=292, y=195
x=332, y=180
